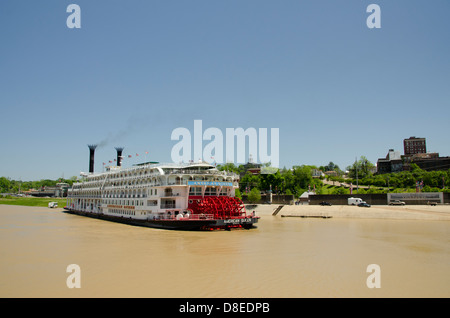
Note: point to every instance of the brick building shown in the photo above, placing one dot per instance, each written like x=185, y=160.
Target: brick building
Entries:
x=415, y=152
x=414, y=145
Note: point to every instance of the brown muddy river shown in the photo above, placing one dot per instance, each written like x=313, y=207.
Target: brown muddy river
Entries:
x=283, y=257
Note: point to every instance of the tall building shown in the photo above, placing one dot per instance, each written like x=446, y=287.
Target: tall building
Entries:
x=415, y=153
x=414, y=145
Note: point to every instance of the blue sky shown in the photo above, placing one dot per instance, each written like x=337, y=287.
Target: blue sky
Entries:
x=136, y=70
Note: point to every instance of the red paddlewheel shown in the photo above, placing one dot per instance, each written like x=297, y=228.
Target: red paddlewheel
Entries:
x=220, y=207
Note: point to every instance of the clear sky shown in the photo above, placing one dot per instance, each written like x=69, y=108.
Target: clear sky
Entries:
x=137, y=70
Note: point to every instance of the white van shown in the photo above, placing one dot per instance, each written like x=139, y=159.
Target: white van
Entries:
x=355, y=201
x=53, y=204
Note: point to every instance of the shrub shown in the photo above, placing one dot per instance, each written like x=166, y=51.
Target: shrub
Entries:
x=254, y=196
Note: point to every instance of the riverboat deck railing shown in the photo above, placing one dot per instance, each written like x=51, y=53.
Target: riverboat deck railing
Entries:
x=141, y=185
x=196, y=217
x=190, y=217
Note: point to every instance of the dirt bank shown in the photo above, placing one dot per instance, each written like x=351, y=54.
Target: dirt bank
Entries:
x=409, y=212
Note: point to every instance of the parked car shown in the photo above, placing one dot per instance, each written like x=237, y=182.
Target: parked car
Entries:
x=325, y=203
x=364, y=204
x=397, y=202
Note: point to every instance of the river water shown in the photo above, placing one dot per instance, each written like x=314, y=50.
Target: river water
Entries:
x=283, y=257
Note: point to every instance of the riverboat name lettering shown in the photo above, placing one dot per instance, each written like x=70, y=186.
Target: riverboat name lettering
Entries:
x=236, y=221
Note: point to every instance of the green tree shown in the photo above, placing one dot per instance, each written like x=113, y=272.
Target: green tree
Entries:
x=249, y=181
x=231, y=167
x=5, y=184
x=331, y=166
x=360, y=168
x=272, y=181
x=302, y=177
x=254, y=196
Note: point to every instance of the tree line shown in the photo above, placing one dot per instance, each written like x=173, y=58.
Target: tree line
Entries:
x=294, y=181
x=15, y=186
x=299, y=179
x=427, y=181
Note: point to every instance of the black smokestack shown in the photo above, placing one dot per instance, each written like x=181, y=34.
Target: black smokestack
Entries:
x=91, y=157
x=119, y=155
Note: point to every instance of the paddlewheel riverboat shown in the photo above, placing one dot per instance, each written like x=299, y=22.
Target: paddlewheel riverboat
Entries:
x=191, y=196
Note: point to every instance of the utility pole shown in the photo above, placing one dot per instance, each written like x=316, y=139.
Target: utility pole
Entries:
x=356, y=167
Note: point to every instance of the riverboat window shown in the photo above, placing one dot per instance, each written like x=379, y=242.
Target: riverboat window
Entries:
x=210, y=191
x=195, y=191
x=167, y=204
x=168, y=192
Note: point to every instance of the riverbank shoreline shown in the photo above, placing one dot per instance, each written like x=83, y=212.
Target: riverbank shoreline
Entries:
x=407, y=212
x=32, y=201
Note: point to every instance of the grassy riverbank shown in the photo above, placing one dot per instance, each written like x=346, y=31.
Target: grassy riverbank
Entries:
x=31, y=201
